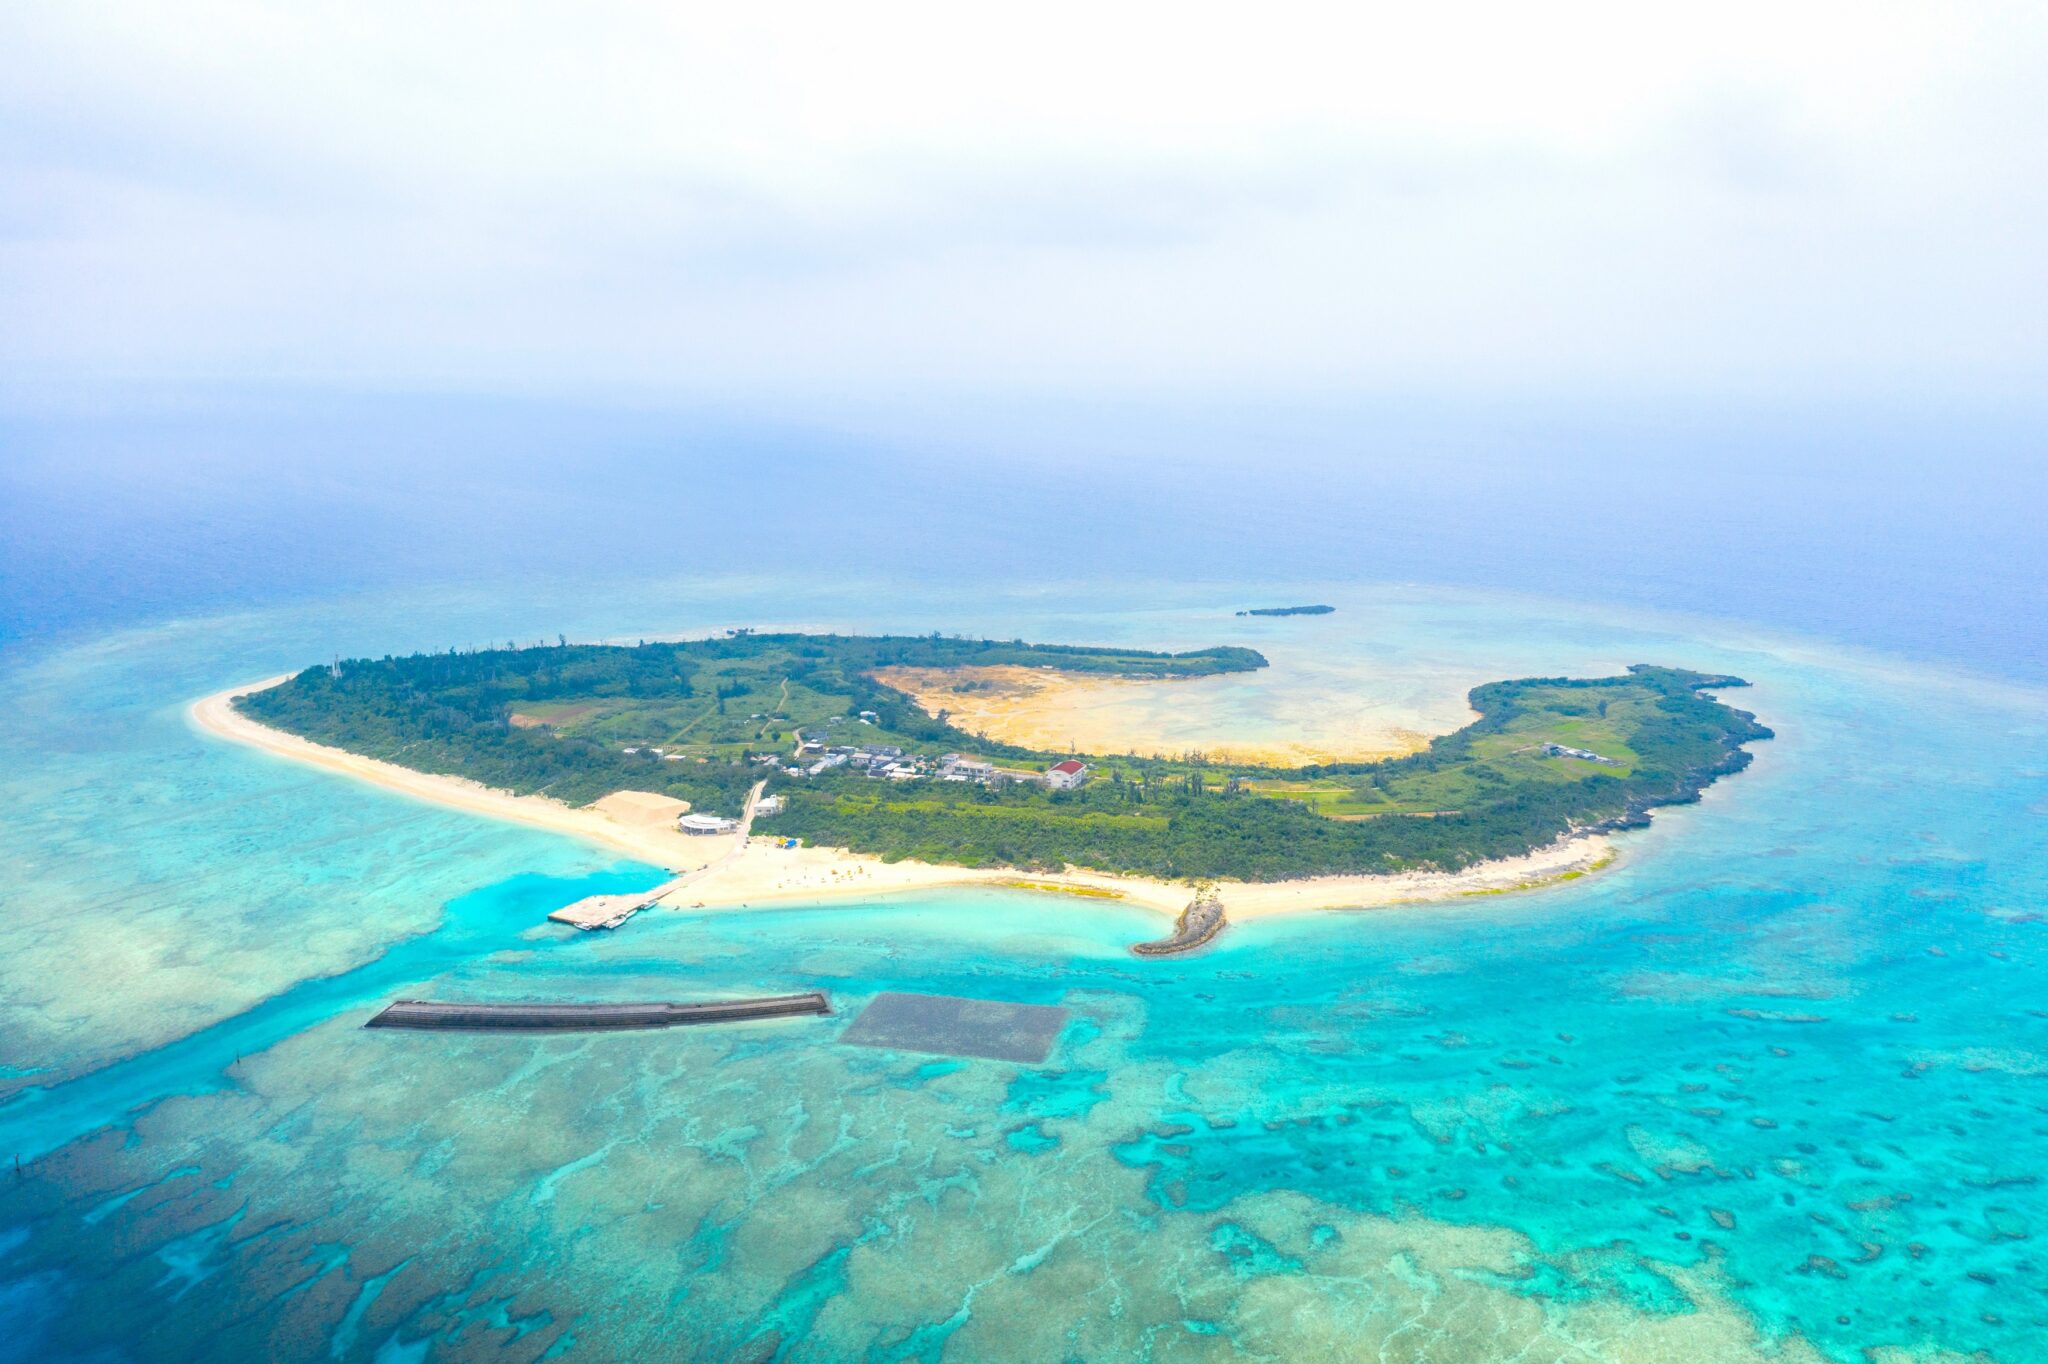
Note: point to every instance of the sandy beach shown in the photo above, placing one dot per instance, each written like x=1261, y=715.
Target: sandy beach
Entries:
x=618, y=824
x=713, y=873
x=762, y=875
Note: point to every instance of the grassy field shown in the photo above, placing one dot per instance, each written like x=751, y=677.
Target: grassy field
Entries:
x=1513, y=755
x=1331, y=799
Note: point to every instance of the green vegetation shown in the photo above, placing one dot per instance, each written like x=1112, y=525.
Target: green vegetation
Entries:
x=697, y=716
x=710, y=717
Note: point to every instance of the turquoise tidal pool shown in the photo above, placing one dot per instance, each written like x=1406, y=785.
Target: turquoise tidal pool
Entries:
x=1773, y=1086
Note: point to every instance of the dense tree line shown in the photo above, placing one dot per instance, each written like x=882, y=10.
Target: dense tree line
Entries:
x=1173, y=832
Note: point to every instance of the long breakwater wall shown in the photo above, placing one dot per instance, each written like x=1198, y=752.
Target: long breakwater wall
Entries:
x=553, y=1017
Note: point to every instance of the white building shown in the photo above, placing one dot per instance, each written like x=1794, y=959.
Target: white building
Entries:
x=768, y=805
x=1067, y=775
x=706, y=824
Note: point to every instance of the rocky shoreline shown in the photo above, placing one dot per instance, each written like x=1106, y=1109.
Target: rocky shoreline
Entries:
x=1202, y=920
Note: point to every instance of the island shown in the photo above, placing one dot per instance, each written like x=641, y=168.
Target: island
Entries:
x=1288, y=611
x=797, y=771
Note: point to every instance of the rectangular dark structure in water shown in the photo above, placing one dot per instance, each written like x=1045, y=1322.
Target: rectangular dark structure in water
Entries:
x=958, y=1027
x=550, y=1017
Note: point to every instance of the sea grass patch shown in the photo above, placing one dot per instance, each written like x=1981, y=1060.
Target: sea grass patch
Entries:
x=952, y=1026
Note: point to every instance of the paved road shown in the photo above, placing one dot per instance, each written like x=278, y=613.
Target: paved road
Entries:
x=739, y=845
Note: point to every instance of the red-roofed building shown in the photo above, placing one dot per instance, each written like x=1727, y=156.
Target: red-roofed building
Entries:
x=1067, y=775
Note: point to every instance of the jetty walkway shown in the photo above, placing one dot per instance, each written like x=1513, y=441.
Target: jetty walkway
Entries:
x=553, y=1017
x=609, y=911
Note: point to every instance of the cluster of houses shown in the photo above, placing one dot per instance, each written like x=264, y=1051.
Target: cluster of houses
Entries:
x=888, y=762
x=814, y=759
x=877, y=760
x=891, y=763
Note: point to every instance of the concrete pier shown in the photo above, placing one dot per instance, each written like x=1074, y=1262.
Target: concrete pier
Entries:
x=605, y=911
x=551, y=1017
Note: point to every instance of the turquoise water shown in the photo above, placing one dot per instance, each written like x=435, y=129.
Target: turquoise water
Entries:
x=1776, y=1085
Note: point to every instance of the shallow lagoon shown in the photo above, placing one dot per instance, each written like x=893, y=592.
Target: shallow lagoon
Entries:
x=1778, y=1081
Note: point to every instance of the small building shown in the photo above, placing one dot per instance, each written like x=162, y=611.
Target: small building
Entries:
x=1067, y=775
x=706, y=824
x=768, y=805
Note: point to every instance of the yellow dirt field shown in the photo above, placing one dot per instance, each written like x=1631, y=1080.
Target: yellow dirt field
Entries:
x=1047, y=709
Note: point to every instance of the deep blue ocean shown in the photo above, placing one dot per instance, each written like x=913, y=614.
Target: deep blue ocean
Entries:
x=1775, y=1086
x=1919, y=535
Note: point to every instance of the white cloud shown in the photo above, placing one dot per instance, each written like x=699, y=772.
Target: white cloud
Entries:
x=810, y=199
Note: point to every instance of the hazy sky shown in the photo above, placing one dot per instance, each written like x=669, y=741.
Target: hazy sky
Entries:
x=773, y=203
